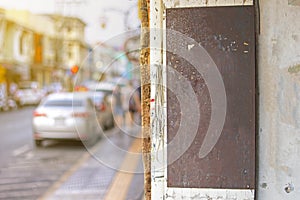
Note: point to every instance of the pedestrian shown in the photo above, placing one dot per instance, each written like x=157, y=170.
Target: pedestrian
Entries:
x=126, y=92
x=139, y=110
x=134, y=106
x=131, y=104
x=117, y=106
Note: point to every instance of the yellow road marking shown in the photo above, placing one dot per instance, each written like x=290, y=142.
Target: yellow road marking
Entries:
x=121, y=182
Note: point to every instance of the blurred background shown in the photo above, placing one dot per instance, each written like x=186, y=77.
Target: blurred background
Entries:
x=51, y=51
x=54, y=42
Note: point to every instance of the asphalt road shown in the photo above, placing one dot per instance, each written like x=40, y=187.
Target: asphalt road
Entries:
x=27, y=172
x=15, y=133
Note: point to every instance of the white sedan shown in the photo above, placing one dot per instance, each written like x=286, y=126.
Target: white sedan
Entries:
x=65, y=116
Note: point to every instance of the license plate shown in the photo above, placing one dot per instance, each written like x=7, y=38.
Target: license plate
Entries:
x=59, y=121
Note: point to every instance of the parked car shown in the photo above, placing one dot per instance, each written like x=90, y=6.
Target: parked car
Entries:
x=65, y=116
x=102, y=97
x=106, y=87
x=28, y=93
x=53, y=88
x=103, y=109
x=3, y=104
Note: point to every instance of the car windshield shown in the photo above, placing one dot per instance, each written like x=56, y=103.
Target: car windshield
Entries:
x=63, y=103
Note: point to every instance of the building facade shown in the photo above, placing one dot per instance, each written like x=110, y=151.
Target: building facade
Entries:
x=42, y=48
x=71, y=49
x=16, y=51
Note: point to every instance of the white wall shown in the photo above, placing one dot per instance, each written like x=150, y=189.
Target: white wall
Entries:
x=279, y=124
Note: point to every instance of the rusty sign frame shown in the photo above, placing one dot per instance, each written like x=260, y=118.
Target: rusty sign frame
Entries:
x=160, y=189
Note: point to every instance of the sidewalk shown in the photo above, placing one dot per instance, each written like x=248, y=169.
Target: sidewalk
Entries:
x=92, y=179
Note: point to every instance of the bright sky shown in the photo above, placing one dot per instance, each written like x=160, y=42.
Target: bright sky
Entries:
x=90, y=11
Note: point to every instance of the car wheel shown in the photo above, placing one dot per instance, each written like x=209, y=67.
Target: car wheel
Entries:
x=38, y=143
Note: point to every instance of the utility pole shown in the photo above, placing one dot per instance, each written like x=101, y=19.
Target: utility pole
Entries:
x=145, y=101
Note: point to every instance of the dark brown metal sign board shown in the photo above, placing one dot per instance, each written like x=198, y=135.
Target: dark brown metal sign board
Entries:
x=227, y=34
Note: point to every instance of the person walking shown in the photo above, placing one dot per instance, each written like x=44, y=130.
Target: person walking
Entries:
x=117, y=106
x=131, y=104
x=126, y=96
x=134, y=106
